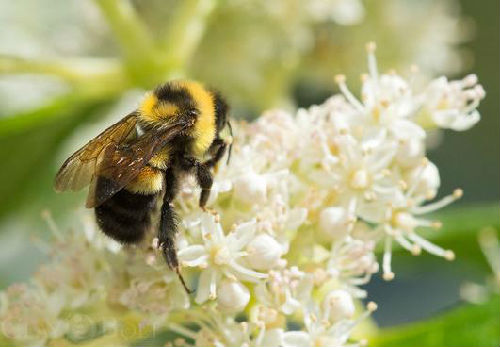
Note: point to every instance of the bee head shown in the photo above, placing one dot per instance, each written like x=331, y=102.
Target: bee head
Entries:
x=221, y=111
x=168, y=102
x=222, y=118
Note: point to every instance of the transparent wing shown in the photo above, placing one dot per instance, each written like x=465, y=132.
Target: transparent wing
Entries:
x=79, y=169
x=120, y=164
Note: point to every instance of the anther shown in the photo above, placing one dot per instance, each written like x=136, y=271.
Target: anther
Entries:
x=372, y=306
x=371, y=47
x=339, y=79
x=388, y=276
x=458, y=193
x=449, y=255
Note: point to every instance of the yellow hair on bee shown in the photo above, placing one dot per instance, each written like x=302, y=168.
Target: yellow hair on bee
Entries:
x=152, y=110
x=204, y=128
x=160, y=159
x=148, y=181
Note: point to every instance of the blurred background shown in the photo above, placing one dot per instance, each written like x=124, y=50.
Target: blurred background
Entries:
x=69, y=67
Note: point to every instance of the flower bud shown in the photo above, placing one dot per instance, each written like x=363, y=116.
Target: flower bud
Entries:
x=333, y=221
x=340, y=305
x=410, y=152
x=264, y=252
x=427, y=180
x=232, y=296
x=250, y=188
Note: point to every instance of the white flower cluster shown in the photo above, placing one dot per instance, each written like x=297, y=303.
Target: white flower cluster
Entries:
x=295, y=220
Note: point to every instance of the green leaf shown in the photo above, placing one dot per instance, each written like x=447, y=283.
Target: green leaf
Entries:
x=468, y=325
x=460, y=221
x=28, y=144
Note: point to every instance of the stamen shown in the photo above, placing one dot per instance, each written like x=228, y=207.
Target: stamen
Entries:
x=340, y=80
x=425, y=223
x=457, y=194
x=178, y=328
x=404, y=243
x=47, y=216
x=372, y=306
x=414, y=70
x=260, y=336
x=359, y=281
x=430, y=247
x=372, y=62
x=416, y=250
x=386, y=261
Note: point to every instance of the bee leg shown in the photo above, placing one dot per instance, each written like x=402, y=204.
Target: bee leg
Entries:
x=203, y=175
x=205, y=180
x=168, y=226
x=220, y=147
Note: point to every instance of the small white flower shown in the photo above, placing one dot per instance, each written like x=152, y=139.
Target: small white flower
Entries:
x=219, y=256
x=333, y=221
x=352, y=262
x=361, y=176
x=232, y=296
x=264, y=252
x=410, y=152
x=424, y=180
x=251, y=188
x=387, y=104
x=320, y=331
x=285, y=290
x=453, y=104
x=338, y=304
x=402, y=219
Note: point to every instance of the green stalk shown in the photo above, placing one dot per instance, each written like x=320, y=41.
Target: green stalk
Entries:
x=136, y=42
x=186, y=31
x=73, y=70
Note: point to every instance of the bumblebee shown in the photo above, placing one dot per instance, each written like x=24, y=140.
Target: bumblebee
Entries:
x=175, y=131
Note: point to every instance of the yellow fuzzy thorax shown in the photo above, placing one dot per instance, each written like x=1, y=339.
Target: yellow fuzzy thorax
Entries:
x=153, y=111
x=204, y=128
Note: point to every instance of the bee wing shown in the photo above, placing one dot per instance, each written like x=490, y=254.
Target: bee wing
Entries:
x=79, y=169
x=120, y=164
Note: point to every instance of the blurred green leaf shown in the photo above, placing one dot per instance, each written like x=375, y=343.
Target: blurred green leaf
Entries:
x=28, y=144
x=469, y=325
x=460, y=221
x=460, y=230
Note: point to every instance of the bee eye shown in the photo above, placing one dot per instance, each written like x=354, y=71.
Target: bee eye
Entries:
x=193, y=112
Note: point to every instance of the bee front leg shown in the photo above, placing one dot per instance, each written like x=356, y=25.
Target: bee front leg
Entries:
x=205, y=180
x=219, y=147
x=168, y=226
x=203, y=175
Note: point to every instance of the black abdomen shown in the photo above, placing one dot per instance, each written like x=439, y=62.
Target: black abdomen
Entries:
x=126, y=216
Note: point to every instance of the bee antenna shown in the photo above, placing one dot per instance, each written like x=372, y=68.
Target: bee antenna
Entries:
x=231, y=144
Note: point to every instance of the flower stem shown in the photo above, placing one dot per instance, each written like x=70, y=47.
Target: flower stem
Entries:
x=186, y=31
x=73, y=70
x=136, y=42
